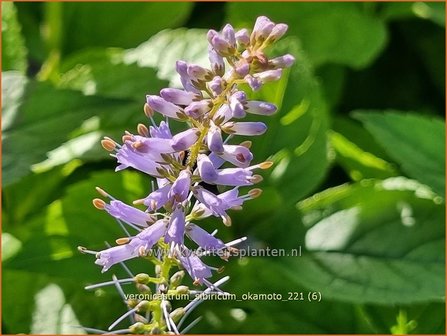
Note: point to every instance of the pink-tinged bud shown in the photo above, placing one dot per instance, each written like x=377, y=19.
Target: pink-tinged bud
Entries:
x=177, y=96
x=229, y=35
x=237, y=100
x=214, y=139
x=223, y=114
x=216, y=61
x=182, y=69
x=284, y=61
x=277, y=32
x=222, y=46
x=242, y=68
x=269, y=75
x=216, y=85
x=180, y=187
x=210, y=35
x=243, y=37
x=245, y=128
x=234, y=177
x=197, y=109
x=198, y=73
x=183, y=140
x=262, y=29
x=260, y=107
x=253, y=82
x=164, y=107
x=206, y=169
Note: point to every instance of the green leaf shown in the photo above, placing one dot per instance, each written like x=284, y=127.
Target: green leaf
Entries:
x=13, y=44
x=52, y=236
x=358, y=163
x=10, y=246
x=342, y=33
x=118, y=24
x=415, y=142
x=164, y=49
x=39, y=111
x=102, y=72
x=373, y=242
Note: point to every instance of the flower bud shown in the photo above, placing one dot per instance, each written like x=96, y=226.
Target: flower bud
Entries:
x=242, y=37
x=176, y=278
x=177, y=314
x=245, y=128
x=182, y=289
x=260, y=107
x=142, y=278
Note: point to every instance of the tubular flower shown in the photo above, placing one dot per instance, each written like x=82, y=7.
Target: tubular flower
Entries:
x=211, y=104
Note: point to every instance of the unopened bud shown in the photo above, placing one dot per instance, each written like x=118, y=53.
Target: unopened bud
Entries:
x=142, y=278
x=177, y=314
x=144, y=289
x=137, y=328
x=176, y=278
x=182, y=289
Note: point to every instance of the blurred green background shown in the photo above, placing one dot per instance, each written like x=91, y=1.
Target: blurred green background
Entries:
x=359, y=147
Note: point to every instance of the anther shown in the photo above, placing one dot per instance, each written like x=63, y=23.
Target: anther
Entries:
x=246, y=144
x=142, y=130
x=265, y=164
x=256, y=192
x=148, y=111
x=122, y=241
x=108, y=144
x=99, y=204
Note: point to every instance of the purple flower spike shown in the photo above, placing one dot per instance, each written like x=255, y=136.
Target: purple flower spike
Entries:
x=214, y=140
x=127, y=156
x=229, y=35
x=262, y=29
x=177, y=96
x=197, y=109
x=114, y=255
x=162, y=131
x=196, y=269
x=234, y=177
x=245, y=128
x=277, y=32
x=253, y=82
x=240, y=156
x=198, y=73
x=203, y=238
x=158, y=198
x=260, y=107
x=176, y=229
x=206, y=169
x=236, y=104
x=269, y=75
x=149, y=236
x=216, y=61
x=183, y=140
x=164, y=107
x=284, y=61
x=243, y=37
x=216, y=85
x=180, y=188
x=128, y=214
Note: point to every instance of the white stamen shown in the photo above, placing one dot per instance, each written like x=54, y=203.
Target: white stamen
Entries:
x=109, y=283
x=122, y=317
x=235, y=242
